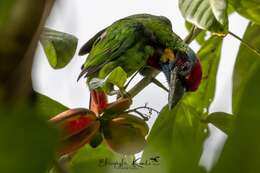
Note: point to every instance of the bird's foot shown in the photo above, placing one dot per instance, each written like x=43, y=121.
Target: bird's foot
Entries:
x=121, y=93
x=114, y=92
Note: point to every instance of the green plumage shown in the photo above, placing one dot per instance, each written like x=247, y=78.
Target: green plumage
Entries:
x=128, y=43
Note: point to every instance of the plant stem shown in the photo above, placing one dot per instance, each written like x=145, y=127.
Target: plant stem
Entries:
x=192, y=35
x=143, y=83
x=60, y=167
x=131, y=79
x=257, y=52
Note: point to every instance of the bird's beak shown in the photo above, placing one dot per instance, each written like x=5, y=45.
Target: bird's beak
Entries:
x=176, y=89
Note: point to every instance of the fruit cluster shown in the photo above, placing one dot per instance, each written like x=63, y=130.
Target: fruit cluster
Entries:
x=123, y=132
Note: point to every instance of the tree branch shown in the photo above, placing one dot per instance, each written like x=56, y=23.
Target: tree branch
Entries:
x=143, y=83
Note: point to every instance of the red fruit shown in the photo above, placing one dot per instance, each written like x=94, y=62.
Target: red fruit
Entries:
x=77, y=141
x=118, y=106
x=98, y=101
x=78, y=127
x=73, y=121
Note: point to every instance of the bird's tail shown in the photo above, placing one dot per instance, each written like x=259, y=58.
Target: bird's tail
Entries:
x=98, y=101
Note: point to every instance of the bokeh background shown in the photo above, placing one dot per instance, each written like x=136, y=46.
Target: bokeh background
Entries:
x=84, y=18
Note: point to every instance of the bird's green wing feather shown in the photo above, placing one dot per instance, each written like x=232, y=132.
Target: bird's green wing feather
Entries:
x=89, y=44
x=118, y=38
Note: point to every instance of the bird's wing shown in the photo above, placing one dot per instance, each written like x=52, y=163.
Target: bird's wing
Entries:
x=118, y=38
x=88, y=45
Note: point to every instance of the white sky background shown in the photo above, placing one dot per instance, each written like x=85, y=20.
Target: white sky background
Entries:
x=84, y=18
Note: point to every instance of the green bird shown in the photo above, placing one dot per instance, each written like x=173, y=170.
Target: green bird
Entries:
x=137, y=42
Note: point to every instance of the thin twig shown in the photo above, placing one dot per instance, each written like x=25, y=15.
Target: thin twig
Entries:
x=192, y=35
x=143, y=83
x=257, y=52
x=125, y=87
x=143, y=107
x=145, y=118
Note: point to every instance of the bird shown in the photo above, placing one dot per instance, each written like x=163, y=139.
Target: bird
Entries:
x=137, y=42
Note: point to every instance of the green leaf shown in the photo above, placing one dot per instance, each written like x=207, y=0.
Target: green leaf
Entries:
x=117, y=77
x=209, y=55
x=28, y=142
x=230, y=9
x=59, y=47
x=221, y=120
x=209, y=15
x=177, y=138
x=242, y=149
x=247, y=8
x=246, y=64
x=47, y=106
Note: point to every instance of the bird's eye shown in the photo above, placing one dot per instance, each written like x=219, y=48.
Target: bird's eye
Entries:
x=183, y=63
x=184, y=68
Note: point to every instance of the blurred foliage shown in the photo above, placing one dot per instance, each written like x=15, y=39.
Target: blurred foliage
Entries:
x=96, y=160
x=19, y=21
x=242, y=150
x=247, y=8
x=5, y=10
x=59, y=47
x=47, y=106
x=246, y=64
x=28, y=142
x=209, y=15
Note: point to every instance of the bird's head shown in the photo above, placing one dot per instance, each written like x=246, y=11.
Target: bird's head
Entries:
x=183, y=72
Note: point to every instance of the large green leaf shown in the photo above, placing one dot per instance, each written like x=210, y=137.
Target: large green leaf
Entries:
x=28, y=142
x=59, y=47
x=246, y=64
x=47, y=106
x=206, y=14
x=177, y=138
x=242, y=150
x=248, y=8
x=209, y=55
